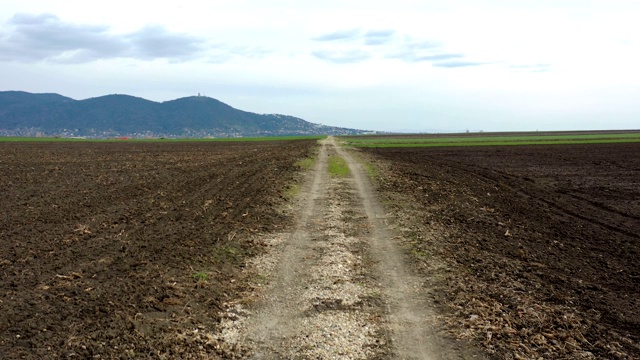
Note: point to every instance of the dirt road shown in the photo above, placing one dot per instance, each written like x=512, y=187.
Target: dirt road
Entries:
x=337, y=285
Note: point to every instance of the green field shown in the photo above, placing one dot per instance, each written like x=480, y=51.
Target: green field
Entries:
x=489, y=139
x=242, y=139
x=37, y=139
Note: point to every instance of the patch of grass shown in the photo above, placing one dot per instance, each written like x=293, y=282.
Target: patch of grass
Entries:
x=338, y=167
x=292, y=191
x=200, y=276
x=306, y=163
x=226, y=253
x=371, y=169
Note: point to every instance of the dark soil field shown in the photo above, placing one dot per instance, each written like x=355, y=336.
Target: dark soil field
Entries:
x=126, y=250
x=541, y=243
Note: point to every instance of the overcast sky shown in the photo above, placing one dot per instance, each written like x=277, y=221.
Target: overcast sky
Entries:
x=397, y=65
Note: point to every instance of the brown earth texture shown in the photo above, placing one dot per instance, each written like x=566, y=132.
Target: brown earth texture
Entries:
x=532, y=250
x=132, y=249
x=126, y=250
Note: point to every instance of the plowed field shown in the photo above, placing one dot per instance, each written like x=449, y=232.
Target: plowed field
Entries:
x=545, y=241
x=125, y=250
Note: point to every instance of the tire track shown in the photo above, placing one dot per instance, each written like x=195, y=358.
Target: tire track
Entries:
x=338, y=285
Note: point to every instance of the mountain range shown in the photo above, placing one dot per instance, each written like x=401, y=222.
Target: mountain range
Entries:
x=27, y=114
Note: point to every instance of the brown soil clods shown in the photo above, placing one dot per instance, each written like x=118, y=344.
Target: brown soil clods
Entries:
x=537, y=245
x=127, y=250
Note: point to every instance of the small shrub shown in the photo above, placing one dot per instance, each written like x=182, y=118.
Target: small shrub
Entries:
x=200, y=276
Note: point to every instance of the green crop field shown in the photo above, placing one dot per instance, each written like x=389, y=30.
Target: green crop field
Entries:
x=489, y=139
x=240, y=139
x=36, y=139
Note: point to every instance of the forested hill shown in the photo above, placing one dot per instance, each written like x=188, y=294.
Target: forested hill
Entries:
x=26, y=114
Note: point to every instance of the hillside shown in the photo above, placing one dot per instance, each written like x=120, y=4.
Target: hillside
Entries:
x=26, y=114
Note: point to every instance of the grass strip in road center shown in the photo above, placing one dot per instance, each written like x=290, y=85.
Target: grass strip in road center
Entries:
x=338, y=167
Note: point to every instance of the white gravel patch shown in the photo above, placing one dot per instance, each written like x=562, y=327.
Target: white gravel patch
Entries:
x=265, y=265
x=334, y=335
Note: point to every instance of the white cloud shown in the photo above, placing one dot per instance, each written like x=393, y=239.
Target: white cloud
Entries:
x=154, y=41
x=339, y=35
x=46, y=37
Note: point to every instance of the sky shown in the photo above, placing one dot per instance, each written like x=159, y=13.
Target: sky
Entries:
x=398, y=65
